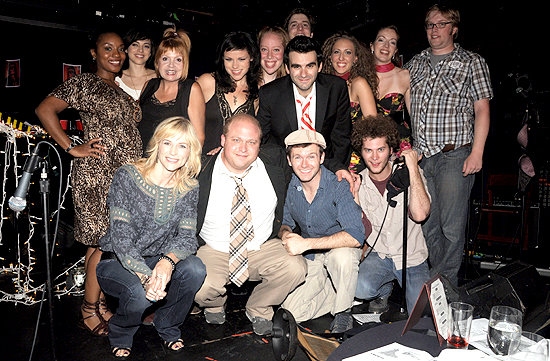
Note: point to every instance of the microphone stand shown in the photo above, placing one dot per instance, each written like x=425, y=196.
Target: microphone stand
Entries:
x=44, y=190
x=388, y=317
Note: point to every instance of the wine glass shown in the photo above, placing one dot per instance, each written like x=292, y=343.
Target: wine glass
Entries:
x=505, y=326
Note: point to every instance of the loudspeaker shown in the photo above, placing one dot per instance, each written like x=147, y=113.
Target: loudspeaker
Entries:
x=517, y=284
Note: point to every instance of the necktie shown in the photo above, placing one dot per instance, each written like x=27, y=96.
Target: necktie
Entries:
x=241, y=231
x=305, y=120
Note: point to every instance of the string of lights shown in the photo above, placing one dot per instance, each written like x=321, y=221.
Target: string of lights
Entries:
x=18, y=256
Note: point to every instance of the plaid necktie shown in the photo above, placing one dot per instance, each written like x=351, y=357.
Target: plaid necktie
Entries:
x=241, y=231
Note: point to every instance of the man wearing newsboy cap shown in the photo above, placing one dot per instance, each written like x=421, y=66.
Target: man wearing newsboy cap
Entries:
x=322, y=222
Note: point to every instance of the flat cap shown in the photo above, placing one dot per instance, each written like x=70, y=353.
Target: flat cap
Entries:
x=305, y=136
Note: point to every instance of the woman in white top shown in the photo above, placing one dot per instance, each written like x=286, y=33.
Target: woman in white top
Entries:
x=139, y=47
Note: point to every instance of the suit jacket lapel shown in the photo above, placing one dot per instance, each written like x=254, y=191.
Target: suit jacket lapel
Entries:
x=290, y=111
x=321, y=99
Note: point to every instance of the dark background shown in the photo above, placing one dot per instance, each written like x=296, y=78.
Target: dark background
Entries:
x=46, y=34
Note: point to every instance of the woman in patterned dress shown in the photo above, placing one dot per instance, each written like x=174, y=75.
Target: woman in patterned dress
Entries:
x=111, y=139
x=393, y=82
x=345, y=56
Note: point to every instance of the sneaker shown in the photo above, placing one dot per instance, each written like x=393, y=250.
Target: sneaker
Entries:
x=378, y=305
x=261, y=326
x=215, y=318
x=342, y=322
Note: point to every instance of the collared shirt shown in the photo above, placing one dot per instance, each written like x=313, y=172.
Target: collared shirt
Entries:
x=442, y=98
x=390, y=225
x=262, y=199
x=332, y=210
x=312, y=106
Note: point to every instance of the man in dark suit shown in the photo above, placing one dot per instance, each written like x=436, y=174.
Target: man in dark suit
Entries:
x=264, y=184
x=308, y=99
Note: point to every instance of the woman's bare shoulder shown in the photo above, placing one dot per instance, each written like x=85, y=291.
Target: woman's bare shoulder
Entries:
x=151, y=74
x=207, y=84
x=403, y=73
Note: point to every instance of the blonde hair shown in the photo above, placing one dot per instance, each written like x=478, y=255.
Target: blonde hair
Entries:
x=178, y=41
x=170, y=127
x=284, y=40
x=453, y=15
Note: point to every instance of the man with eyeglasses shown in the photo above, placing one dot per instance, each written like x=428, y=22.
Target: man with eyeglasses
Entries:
x=450, y=115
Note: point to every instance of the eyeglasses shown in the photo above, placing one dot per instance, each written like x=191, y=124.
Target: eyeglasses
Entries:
x=430, y=26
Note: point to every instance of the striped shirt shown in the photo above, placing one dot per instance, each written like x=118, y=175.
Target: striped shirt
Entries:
x=331, y=211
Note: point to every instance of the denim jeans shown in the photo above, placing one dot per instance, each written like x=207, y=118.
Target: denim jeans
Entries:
x=445, y=228
x=120, y=283
x=376, y=277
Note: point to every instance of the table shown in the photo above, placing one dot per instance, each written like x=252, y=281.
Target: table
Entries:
x=422, y=337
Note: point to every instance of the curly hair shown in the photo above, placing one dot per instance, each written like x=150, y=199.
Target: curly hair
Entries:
x=364, y=66
x=378, y=126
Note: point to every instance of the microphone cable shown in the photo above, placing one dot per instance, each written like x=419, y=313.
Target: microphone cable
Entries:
x=394, y=168
x=56, y=228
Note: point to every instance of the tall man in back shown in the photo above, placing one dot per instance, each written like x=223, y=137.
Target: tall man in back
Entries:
x=300, y=21
x=450, y=115
x=308, y=99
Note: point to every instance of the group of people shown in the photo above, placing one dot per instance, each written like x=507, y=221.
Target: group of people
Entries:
x=272, y=168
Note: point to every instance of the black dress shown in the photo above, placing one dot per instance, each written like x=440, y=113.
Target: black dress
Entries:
x=154, y=112
x=218, y=111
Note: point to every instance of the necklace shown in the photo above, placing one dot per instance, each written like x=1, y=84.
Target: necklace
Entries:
x=136, y=91
x=385, y=68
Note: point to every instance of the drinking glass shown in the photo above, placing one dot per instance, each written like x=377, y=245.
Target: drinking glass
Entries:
x=459, y=323
x=505, y=326
x=531, y=347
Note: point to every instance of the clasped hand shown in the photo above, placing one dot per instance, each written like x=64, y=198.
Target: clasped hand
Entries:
x=155, y=288
x=294, y=243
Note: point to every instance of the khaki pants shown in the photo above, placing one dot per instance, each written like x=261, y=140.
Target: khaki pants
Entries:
x=329, y=287
x=279, y=273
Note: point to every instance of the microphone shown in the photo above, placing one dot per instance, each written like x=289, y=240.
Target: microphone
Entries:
x=398, y=181
x=399, y=160
x=18, y=202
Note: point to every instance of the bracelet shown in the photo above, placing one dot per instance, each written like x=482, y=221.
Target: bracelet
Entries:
x=71, y=146
x=169, y=260
x=144, y=279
